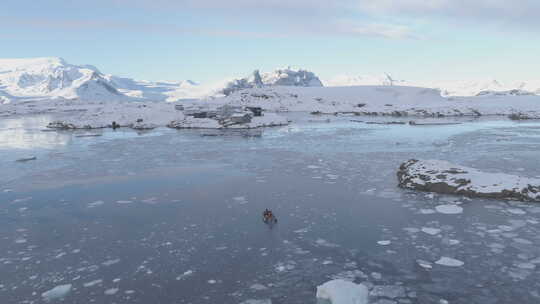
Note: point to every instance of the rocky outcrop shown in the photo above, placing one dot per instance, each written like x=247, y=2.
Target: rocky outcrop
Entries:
x=444, y=177
x=280, y=77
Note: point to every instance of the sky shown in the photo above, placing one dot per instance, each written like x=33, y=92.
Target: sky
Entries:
x=209, y=40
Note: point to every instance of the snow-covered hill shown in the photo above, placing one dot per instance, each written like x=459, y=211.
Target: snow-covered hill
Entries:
x=364, y=80
x=447, y=88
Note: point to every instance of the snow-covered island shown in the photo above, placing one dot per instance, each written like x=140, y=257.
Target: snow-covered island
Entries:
x=444, y=177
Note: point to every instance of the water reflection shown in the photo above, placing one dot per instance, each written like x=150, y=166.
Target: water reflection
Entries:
x=26, y=133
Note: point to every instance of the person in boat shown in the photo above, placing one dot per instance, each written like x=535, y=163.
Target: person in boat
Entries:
x=268, y=216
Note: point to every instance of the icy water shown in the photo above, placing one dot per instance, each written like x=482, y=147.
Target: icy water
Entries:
x=172, y=216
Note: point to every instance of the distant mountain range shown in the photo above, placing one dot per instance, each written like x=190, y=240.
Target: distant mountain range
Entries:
x=54, y=78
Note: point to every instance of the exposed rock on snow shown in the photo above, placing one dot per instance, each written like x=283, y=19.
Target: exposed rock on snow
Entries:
x=136, y=115
x=280, y=77
x=522, y=116
x=444, y=177
x=343, y=292
x=378, y=100
x=57, y=292
x=268, y=120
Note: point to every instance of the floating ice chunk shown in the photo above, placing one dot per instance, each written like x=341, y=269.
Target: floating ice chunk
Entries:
x=123, y=202
x=257, y=301
x=111, y=291
x=110, y=262
x=389, y=291
x=57, y=292
x=449, y=209
x=516, y=211
x=212, y=281
x=95, y=204
x=384, y=243
x=343, y=292
x=93, y=283
x=325, y=243
x=526, y=266
x=450, y=262
x=431, y=231
x=258, y=287
x=184, y=275
x=350, y=275
x=427, y=211
x=240, y=199
x=20, y=241
x=411, y=230
x=281, y=267
x=424, y=264
x=453, y=242
x=523, y=241
x=129, y=292
x=386, y=301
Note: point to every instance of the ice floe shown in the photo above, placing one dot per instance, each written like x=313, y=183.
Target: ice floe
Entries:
x=111, y=291
x=449, y=209
x=431, y=231
x=57, y=292
x=450, y=262
x=343, y=292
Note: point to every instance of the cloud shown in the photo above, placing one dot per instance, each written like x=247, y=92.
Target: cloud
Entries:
x=519, y=13
x=388, y=19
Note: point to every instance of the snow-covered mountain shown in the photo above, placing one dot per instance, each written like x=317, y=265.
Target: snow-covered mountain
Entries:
x=280, y=77
x=53, y=78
